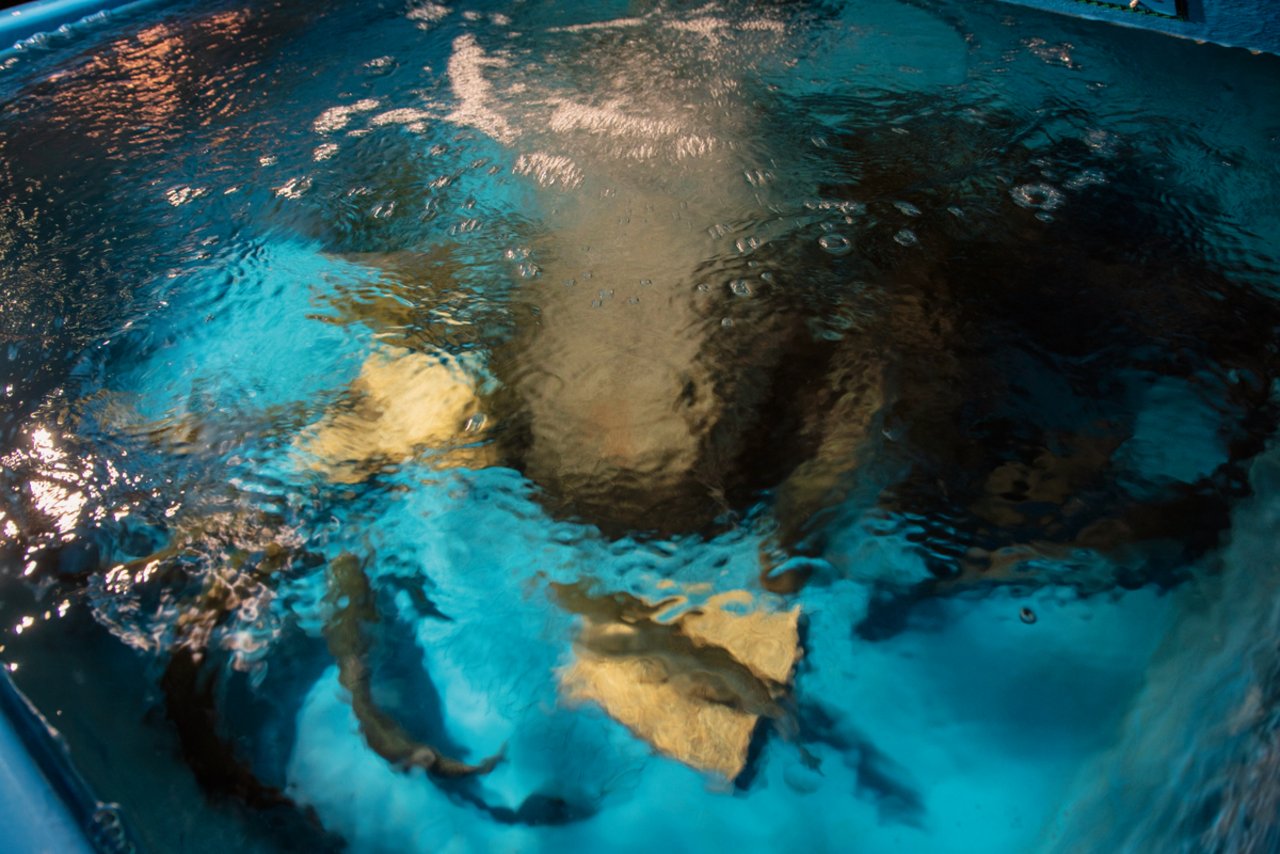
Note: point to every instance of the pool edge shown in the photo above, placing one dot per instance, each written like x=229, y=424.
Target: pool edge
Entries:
x=1249, y=24
x=46, y=805
x=20, y=23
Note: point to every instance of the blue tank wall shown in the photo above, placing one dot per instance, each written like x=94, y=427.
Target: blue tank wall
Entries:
x=1253, y=24
x=43, y=16
x=34, y=816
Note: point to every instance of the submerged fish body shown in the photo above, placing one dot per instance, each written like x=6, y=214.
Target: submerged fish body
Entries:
x=629, y=400
x=402, y=403
x=696, y=685
x=693, y=343
x=352, y=599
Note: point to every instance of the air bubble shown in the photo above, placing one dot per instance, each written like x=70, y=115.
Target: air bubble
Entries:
x=378, y=67
x=907, y=209
x=726, y=322
x=1043, y=197
x=1086, y=178
x=740, y=288
x=835, y=244
x=107, y=830
x=906, y=237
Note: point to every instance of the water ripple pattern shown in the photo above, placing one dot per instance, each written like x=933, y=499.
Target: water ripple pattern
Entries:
x=552, y=425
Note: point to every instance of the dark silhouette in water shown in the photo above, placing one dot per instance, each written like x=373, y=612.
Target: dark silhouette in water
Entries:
x=981, y=368
x=1014, y=423
x=352, y=599
x=879, y=777
x=189, y=684
x=992, y=375
x=191, y=704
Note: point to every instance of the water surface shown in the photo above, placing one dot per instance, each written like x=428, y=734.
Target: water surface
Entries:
x=776, y=424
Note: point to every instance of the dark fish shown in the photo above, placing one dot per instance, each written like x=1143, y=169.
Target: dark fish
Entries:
x=350, y=593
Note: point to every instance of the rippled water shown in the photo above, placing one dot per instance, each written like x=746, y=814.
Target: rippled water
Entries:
x=831, y=426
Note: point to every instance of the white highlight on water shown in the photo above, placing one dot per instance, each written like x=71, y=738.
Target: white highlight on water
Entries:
x=473, y=91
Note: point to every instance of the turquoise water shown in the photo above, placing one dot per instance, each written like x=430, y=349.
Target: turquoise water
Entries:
x=929, y=345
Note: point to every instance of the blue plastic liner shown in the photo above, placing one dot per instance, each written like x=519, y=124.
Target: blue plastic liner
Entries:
x=43, y=16
x=45, y=805
x=1252, y=24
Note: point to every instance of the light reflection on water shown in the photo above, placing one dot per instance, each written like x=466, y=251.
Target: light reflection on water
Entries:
x=775, y=408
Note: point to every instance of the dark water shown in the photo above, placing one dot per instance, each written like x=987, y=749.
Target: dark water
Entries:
x=720, y=414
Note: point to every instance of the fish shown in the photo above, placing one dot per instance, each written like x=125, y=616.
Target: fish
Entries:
x=694, y=686
x=352, y=599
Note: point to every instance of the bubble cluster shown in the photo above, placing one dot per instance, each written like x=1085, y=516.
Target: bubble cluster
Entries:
x=835, y=244
x=1038, y=196
x=1091, y=177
